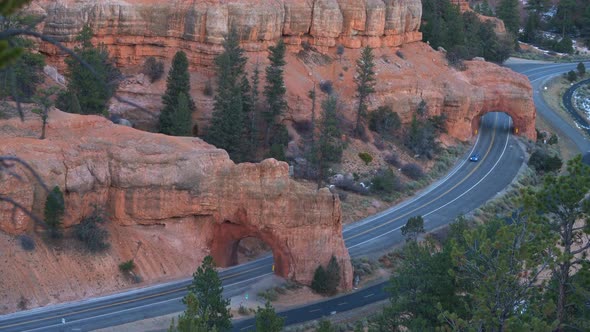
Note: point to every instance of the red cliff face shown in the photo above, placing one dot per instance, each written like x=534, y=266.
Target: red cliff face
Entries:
x=134, y=29
x=180, y=197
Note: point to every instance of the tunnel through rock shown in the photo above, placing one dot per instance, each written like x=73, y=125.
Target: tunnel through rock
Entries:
x=233, y=243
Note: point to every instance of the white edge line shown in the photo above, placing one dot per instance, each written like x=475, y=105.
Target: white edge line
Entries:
x=134, y=308
x=475, y=185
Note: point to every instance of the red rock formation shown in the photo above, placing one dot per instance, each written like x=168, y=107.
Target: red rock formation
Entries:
x=181, y=194
x=135, y=29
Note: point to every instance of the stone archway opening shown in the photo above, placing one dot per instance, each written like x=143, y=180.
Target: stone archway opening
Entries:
x=235, y=243
x=489, y=120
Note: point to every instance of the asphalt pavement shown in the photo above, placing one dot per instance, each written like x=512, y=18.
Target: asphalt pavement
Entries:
x=467, y=186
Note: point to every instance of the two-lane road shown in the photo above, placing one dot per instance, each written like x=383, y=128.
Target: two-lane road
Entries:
x=466, y=187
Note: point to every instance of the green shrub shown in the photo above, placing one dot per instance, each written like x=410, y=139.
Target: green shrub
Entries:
x=127, y=266
x=413, y=171
x=542, y=162
x=385, y=121
x=385, y=182
x=153, y=69
x=366, y=157
x=91, y=233
x=571, y=76
x=319, y=284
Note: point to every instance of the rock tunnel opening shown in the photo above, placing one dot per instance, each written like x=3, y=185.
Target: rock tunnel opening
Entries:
x=502, y=121
x=234, y=244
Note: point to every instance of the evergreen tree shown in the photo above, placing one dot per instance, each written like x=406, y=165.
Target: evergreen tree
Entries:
x=581, y=69
x=54, y=212
x=177, y=84
x=181, y=118
x=329, y=146
x=333, y=276
x=508, y=11
x=92, y=96
x=22, y=78
x=274, y=90
x=564, y=203
x=564, y=18
x=365, y=84
x=43, y=99
x=192, y=319
x=208, y=291
x=228, y=124
x=413, y=228
x=267, y=320
x=319, y=284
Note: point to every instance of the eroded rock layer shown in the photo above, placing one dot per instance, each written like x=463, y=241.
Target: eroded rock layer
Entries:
x=134, y=29
x=179, y=197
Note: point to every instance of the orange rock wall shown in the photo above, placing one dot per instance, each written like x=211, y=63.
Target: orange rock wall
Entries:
x=174, y=195
x=135, y=29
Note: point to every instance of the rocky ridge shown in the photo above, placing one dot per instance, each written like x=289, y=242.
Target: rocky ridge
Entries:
x=181, y=198
x=135, y=29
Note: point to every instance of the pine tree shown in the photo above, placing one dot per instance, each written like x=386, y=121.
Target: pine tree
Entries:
x=92, y=96
x=54, y=211
x=274, y=90
x=191, y=320
x=228, y=124
x=208, y=291
x=177, y=83
x=365, y=84
x=329, y=146
x=508, y=11
x=267, y=320
x=333, y=275
x=564, y=203
x=320, y=280
x=181, y=118
x=43, y=99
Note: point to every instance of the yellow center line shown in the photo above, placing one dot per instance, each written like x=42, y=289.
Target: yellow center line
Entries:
x=435, y=199
x=256, y=268
x=121, y=302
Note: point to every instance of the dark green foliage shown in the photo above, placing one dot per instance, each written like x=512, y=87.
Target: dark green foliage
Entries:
x=208, y=292
x=544, y=162
x=421, y=138
x=553, y=139
x=333, y=274
x=68, y=102
x=22, y=77
x=174, y=120
x=366, y=157
x=319, y=284
x=385, y=181
x=564, y=45
x=564, y=203
x=43, y=99
x=365, y=84
x=421, y=281
x=325, y=326
x=385, y=121
x=279, y=139
x=329, y=146
x=572, y=76
x=484, y=8
x=230, y=127
x=26, y=242
x=54, y=212
x=275, y=90
x=267, y=319
x=192, y=319
x=152, y=68
x=581, y=69
x=464, y=36
x=326, y=87
x=413, y=228
x=89, y=231
x=413, y=171
x=92, y=96
x=508, y=11
x=127, y=266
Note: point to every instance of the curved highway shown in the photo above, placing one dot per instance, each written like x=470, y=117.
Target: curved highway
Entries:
x=539, y=74
x=467, y=186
